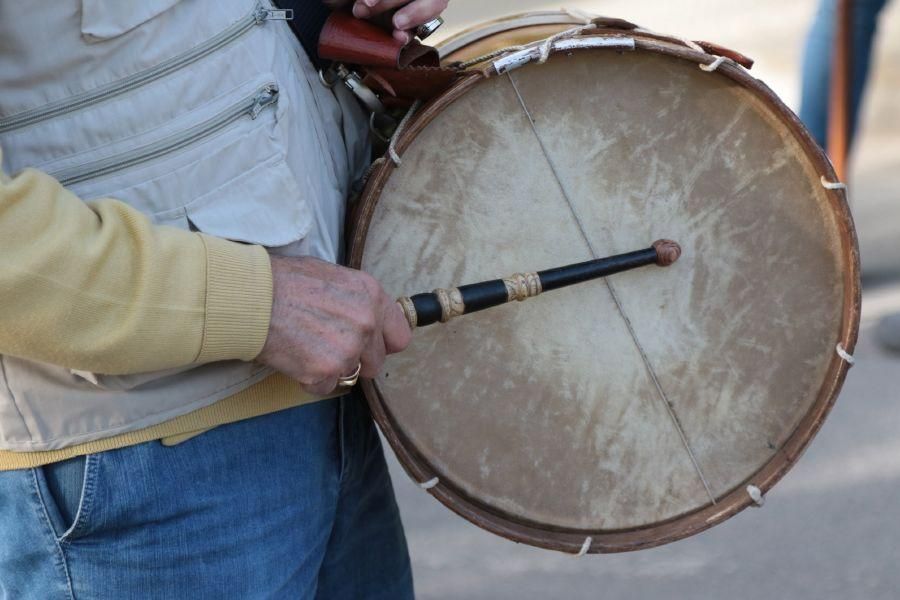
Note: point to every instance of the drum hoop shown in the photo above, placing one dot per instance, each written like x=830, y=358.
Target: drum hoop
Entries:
x=575, y=541
x=475, y=33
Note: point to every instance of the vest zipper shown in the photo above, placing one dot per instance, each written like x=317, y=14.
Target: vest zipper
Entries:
x=252, y=106
x=259, y=15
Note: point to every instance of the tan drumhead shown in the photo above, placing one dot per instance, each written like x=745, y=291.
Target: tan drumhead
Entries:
x=637, y=410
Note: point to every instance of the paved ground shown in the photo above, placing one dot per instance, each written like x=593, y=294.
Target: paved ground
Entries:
x=831, y=529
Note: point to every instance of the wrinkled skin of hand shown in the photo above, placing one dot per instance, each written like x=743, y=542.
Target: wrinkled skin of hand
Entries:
x=326, y=320
x=410, y=13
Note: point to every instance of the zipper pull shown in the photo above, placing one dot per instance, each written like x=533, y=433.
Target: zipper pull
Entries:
x=273, y=14
x=266, y=97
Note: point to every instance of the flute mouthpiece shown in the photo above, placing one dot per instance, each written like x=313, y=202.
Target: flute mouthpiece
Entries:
x=667, y=252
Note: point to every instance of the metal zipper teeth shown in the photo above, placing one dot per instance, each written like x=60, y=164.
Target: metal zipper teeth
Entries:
x=259, y=15
x=264, y=97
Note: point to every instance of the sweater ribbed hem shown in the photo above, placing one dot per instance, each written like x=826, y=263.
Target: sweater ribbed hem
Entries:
x=276, y=392
x=238, y=301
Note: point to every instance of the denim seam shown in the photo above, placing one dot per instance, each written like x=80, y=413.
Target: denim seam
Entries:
x=342, y=442
x=61, y=555
x=85, y=503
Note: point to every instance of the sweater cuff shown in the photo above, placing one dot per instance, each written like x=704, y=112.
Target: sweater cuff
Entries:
x=238, y=301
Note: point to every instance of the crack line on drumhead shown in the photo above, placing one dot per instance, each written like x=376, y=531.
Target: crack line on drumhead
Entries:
x=612, y=291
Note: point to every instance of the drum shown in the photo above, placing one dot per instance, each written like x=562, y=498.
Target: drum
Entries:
x=636, y=410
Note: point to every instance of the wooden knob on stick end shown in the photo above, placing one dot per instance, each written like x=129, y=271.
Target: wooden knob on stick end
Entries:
x=667, y=252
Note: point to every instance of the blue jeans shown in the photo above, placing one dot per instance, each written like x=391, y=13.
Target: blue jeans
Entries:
x=817, y=63
x=297, y=504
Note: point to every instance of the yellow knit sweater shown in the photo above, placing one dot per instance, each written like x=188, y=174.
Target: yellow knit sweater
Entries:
x=98, y=287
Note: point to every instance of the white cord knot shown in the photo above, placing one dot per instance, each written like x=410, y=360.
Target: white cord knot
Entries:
x=430, y=484
x=845, y=356
x=832, y=185
x=714, y=64
x=756, y=495
x=585, y=547
x=546, y=46
x=392, y=152
x=392, y=148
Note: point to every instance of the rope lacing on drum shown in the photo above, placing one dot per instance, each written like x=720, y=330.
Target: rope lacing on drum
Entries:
x=845, y=356
x=756, y=495
x=392, y=148
x=430, y=484
x=709, y=68
x=713, y=65
x=689, y=43
x=841, y=351
x=585, y=547
x=546, y=45
x=615, y=297
x=832, y=185
x=491, y=55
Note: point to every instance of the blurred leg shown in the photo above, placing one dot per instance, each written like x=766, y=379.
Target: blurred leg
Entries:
x=817, y=62
x=817, y=71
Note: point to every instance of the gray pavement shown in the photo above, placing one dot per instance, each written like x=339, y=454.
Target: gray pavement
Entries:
x=831, y=529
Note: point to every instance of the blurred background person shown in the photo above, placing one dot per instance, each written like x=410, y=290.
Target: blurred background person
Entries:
x=818, y=58
x=816, y=86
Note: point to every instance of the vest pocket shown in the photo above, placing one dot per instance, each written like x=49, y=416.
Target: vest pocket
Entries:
x=105, y=19
x=226, y=176
x=241, y=210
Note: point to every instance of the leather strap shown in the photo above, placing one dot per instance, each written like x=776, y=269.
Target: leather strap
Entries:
x=399, y=73
x=708, y=47
x=716, y=49
x=353, y=41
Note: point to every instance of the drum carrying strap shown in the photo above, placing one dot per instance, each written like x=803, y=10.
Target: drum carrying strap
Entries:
x=398, y=74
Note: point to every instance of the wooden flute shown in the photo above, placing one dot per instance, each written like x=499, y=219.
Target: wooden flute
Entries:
x=443, y=305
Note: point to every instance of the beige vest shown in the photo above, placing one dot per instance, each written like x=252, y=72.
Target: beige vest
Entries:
x=204, y=115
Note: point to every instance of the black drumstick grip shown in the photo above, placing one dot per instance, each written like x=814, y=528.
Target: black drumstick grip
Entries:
x=442, y=305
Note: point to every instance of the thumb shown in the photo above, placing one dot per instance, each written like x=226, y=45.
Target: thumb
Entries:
x=397, y=334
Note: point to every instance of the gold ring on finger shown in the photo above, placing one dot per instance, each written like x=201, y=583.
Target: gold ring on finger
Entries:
x=350, y=380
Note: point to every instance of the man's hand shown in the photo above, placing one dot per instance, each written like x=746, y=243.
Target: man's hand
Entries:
x=405, y=21
x=328, y=319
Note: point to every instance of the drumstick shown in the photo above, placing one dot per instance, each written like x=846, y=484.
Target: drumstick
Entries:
x=442, y=305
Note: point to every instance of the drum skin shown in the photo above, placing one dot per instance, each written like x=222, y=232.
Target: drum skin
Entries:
x=626, y=413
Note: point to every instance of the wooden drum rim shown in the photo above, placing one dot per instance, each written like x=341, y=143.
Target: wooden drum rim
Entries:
x=685, y=525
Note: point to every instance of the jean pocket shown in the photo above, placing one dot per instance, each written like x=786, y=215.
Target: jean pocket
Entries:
x=66, y=491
